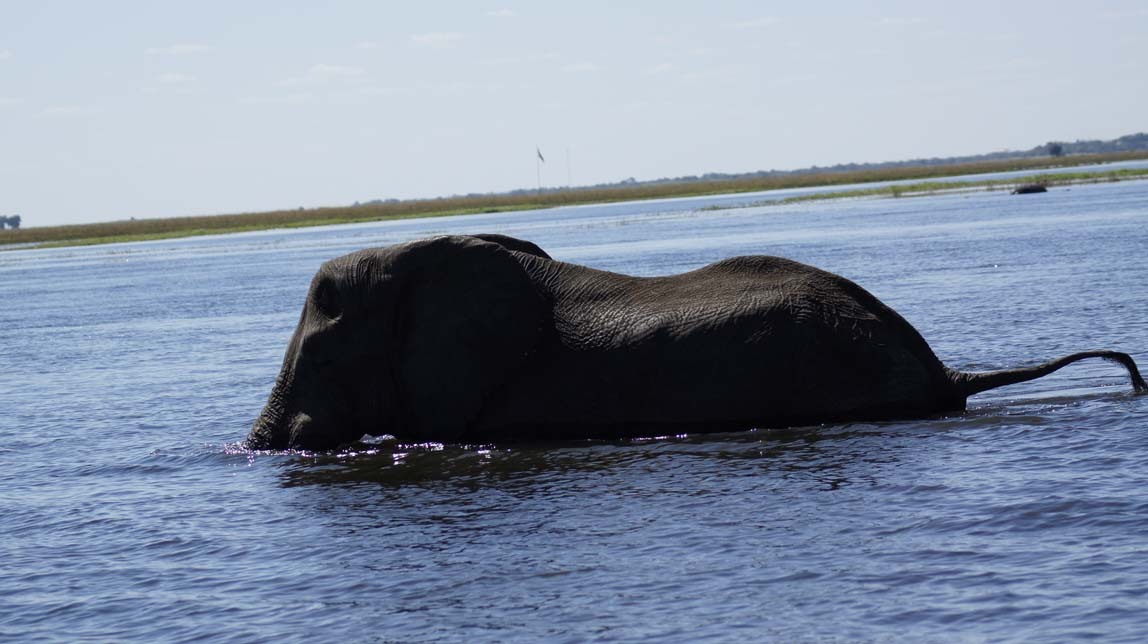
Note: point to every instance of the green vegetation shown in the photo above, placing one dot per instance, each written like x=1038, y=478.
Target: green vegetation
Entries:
x=933, y=187
x=923, y=188
x=146, y=229
x=151, y=229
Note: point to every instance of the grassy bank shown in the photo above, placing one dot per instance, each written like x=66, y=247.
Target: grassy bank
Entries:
x=933, y=187
x=145, y=229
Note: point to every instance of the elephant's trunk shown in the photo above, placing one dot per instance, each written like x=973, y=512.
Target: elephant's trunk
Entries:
x=270, y=430
x=974, y=383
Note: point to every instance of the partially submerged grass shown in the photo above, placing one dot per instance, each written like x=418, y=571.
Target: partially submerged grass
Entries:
x=147, y=229
x=923, y=188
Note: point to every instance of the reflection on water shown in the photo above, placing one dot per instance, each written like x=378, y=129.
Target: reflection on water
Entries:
x=128, y=373
x=392, y=464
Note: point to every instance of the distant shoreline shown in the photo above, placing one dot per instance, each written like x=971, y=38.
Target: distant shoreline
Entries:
x=926, y=188
x=151, y=229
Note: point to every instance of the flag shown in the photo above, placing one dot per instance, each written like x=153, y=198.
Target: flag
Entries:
x=540, y=157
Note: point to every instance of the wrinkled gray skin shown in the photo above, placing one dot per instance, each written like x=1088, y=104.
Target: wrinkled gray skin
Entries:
x=486, y=338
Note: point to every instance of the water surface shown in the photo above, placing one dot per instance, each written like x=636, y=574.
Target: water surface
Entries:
x=129, y=372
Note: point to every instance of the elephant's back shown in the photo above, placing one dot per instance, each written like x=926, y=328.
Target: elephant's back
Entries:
x=772, y=275
x=757, y=294
x=729, y=294
x=760, y=340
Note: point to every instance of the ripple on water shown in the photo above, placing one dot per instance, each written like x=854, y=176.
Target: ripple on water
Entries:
x=127, y=516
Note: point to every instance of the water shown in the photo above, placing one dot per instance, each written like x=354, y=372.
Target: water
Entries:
x=128, y=373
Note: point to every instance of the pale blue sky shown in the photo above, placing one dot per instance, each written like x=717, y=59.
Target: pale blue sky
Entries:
x=110, y=110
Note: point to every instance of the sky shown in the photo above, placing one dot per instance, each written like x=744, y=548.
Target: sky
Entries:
x=118, y=109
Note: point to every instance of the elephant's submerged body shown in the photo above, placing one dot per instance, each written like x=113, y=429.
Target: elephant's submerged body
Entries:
x=486, y=338
x=701, y=350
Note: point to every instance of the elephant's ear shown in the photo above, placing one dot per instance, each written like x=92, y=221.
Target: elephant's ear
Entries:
x=468, y=316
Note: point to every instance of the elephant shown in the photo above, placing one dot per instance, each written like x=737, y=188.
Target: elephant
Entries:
x=485, y=339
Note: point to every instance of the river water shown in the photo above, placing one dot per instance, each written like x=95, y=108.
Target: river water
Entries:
x=128, y=373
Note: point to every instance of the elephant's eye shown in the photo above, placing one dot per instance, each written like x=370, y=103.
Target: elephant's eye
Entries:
x=327, y=300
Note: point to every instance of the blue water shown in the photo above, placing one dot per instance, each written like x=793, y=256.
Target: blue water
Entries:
x=128, y=373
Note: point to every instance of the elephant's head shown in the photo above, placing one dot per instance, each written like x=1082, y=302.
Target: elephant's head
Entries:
x=410, y=340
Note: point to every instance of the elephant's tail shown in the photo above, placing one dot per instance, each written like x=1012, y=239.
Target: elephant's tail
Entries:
x=973, y=383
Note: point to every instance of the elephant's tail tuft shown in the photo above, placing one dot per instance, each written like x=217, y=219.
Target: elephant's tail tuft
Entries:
x=974, y=383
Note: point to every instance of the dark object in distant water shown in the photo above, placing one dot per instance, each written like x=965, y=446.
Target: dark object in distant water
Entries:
x=486, y=338
x=1029, y=188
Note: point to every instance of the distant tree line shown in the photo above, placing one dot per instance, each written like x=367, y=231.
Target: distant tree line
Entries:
x=1129, y=143
x=12, y=222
